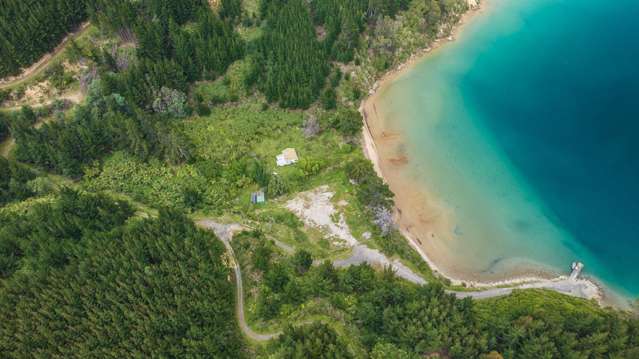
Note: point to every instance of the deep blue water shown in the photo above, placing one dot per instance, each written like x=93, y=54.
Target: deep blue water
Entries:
x=561, y=97
x=527, y=128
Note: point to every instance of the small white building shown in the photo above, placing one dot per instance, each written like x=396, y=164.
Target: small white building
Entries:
x=287, y=157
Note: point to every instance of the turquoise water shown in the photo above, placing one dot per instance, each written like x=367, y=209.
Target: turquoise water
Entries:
x=526, y=128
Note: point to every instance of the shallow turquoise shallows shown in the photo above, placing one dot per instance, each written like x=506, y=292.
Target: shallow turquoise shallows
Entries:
x=527, y=127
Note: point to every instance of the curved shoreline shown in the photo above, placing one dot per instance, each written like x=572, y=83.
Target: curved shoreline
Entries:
x=598, y=293
x=377, y=156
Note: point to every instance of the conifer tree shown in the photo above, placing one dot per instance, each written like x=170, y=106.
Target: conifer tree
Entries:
x=29, y=29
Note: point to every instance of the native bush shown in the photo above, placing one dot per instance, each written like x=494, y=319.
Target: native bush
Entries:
x=170, y=102
x=315, y=340
x=153, y=182
x=347, y=121
x=277, y=186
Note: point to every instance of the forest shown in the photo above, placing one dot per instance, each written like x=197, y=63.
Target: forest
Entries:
x=410, y=321
x=139, y=95
x=103, y=125
x=121, y=285
x=184, y=106
x=29, y=29
x=15, y=182
x=92, y=280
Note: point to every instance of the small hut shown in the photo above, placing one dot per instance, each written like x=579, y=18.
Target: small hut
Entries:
x=258, y=197
x=287, y=157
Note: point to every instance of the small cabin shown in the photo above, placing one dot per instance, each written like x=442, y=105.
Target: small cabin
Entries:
x=258, y=197
x=287, y=157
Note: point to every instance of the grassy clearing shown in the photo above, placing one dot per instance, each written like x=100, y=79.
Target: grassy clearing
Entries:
x=228, y=144
x=153, y=182
x=238, y=135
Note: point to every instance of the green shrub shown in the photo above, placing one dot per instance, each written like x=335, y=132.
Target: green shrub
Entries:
x=277, y=186
x=192, y=198
x=316, y=340
x=280, y=216
x=347, y=121
x=359, y=169
x=241, y=76
x=302, y=261
x=390, y=351
x=40, y=186
x=202, y=109
x=374, y=193
x=311, y=166
x=329, y=99
x=213, y=93
x=170, y=102
x=257, y=171
x=58, y=77
x=294, y=177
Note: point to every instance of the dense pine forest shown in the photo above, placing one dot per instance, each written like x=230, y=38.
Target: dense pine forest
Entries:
x=184, y=106
x=15, y=182
x=91, y=280
x=29, y=29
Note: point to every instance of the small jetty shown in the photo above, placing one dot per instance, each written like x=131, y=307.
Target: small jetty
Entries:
x=576, y=268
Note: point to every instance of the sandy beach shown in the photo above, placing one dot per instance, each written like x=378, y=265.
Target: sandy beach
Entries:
x=421, y=217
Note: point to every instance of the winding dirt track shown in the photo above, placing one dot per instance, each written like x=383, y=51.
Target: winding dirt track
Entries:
x=568, y=286
x=225, y=233
x=44, y=61
x=240, y=302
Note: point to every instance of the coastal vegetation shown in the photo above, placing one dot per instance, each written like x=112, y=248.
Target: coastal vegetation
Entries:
x=184, y=107
x=379, y=310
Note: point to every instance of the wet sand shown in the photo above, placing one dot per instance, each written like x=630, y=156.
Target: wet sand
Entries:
x=421, y=217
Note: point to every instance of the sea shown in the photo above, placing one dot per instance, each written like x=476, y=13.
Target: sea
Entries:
x=527, y=128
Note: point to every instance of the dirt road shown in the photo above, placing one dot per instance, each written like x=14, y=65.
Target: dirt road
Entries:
x=225, y=233
x=43, y=63
x=569, y=286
